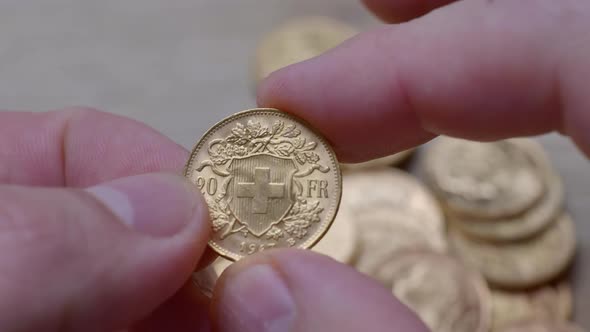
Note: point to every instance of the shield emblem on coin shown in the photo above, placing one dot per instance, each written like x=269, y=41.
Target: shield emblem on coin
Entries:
x=261, y=191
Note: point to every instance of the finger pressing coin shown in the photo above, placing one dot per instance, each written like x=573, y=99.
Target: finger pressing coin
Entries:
x=482, y=245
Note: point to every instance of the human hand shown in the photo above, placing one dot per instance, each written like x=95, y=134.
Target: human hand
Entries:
x=117, y=255
x=109, y=257
x=476, y=69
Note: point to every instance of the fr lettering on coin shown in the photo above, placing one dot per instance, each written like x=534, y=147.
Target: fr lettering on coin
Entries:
x=481, y=241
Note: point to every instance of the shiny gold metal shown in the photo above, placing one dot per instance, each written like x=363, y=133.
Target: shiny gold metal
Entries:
x=532, y=221
x=552, y=302
x=341, y=242
x=270, y=182
x=483, y=180
x=205, y=280
x=220, y=265
x=447, y=296
x=393, y=211
x=522, y=264
x=543, y=326
x=392, y=160
x=298, y=40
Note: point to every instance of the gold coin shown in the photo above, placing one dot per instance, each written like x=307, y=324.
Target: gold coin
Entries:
x=483, y=180
x=392, y=160
x=544, y=326
x=530, y=222
x=392, y=211
x=445, y=295
x=553, y=302
x=298, y=40
x=520, y=264
x=270, y=182
x=205, y=280
x=220, y=265
x=391, y=232
x=341, y=242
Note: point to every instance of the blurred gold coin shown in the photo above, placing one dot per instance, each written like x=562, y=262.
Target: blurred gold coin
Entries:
x=553, y=302
x=341, y=242
x=205, y=280
x=530, y=222
x=270, y=181
x=520, y=264
x=392, y=160
x=220, y=264
x=392, y=211
x=543, y=326
x=298, y=40
x=390, y=232
x=447, y=296
x=519, y=227
x=483, y=180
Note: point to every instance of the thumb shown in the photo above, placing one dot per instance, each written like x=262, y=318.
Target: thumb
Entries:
x=96, y=259
x=297, y=291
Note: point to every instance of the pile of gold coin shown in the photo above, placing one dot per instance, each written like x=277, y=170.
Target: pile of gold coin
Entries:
x=483, y=246
x=480, y=242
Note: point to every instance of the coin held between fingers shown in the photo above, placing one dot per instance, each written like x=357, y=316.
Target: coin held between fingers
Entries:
x=270, y=181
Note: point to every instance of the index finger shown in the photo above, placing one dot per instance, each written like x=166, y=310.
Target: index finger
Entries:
x=79, y=148
x=473, y=69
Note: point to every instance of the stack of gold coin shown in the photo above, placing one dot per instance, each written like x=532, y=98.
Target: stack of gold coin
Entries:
x=402, y=244
x=504, y=205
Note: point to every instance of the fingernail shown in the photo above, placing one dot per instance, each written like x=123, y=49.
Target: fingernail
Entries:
x=156, y=205
x=256, y=300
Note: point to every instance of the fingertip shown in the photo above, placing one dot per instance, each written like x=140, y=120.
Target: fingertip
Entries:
x=295, y=290
x=351, y=94
x=160, y=205
x=395, y=11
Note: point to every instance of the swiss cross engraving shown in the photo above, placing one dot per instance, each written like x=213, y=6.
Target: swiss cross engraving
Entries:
x=261, y=190
x=263, y=184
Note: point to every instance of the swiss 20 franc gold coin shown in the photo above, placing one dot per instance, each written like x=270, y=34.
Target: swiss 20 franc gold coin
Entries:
x=543, y=326
x=447, y=296
x=552, y=302
x=298, y=40
x=522, y=264
x=530, y=222
x=392, y=211
x=270, y=182
x=483, y=180
x=392, y=160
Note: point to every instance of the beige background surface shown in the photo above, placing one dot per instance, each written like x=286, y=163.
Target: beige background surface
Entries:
x=180, y=65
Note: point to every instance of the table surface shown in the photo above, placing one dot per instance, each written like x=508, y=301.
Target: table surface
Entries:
x=181, y=65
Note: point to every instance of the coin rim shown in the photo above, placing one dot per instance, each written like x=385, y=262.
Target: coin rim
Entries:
x=473, y=276
x=312, y=241
x=468, y=211
x=534, y=280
